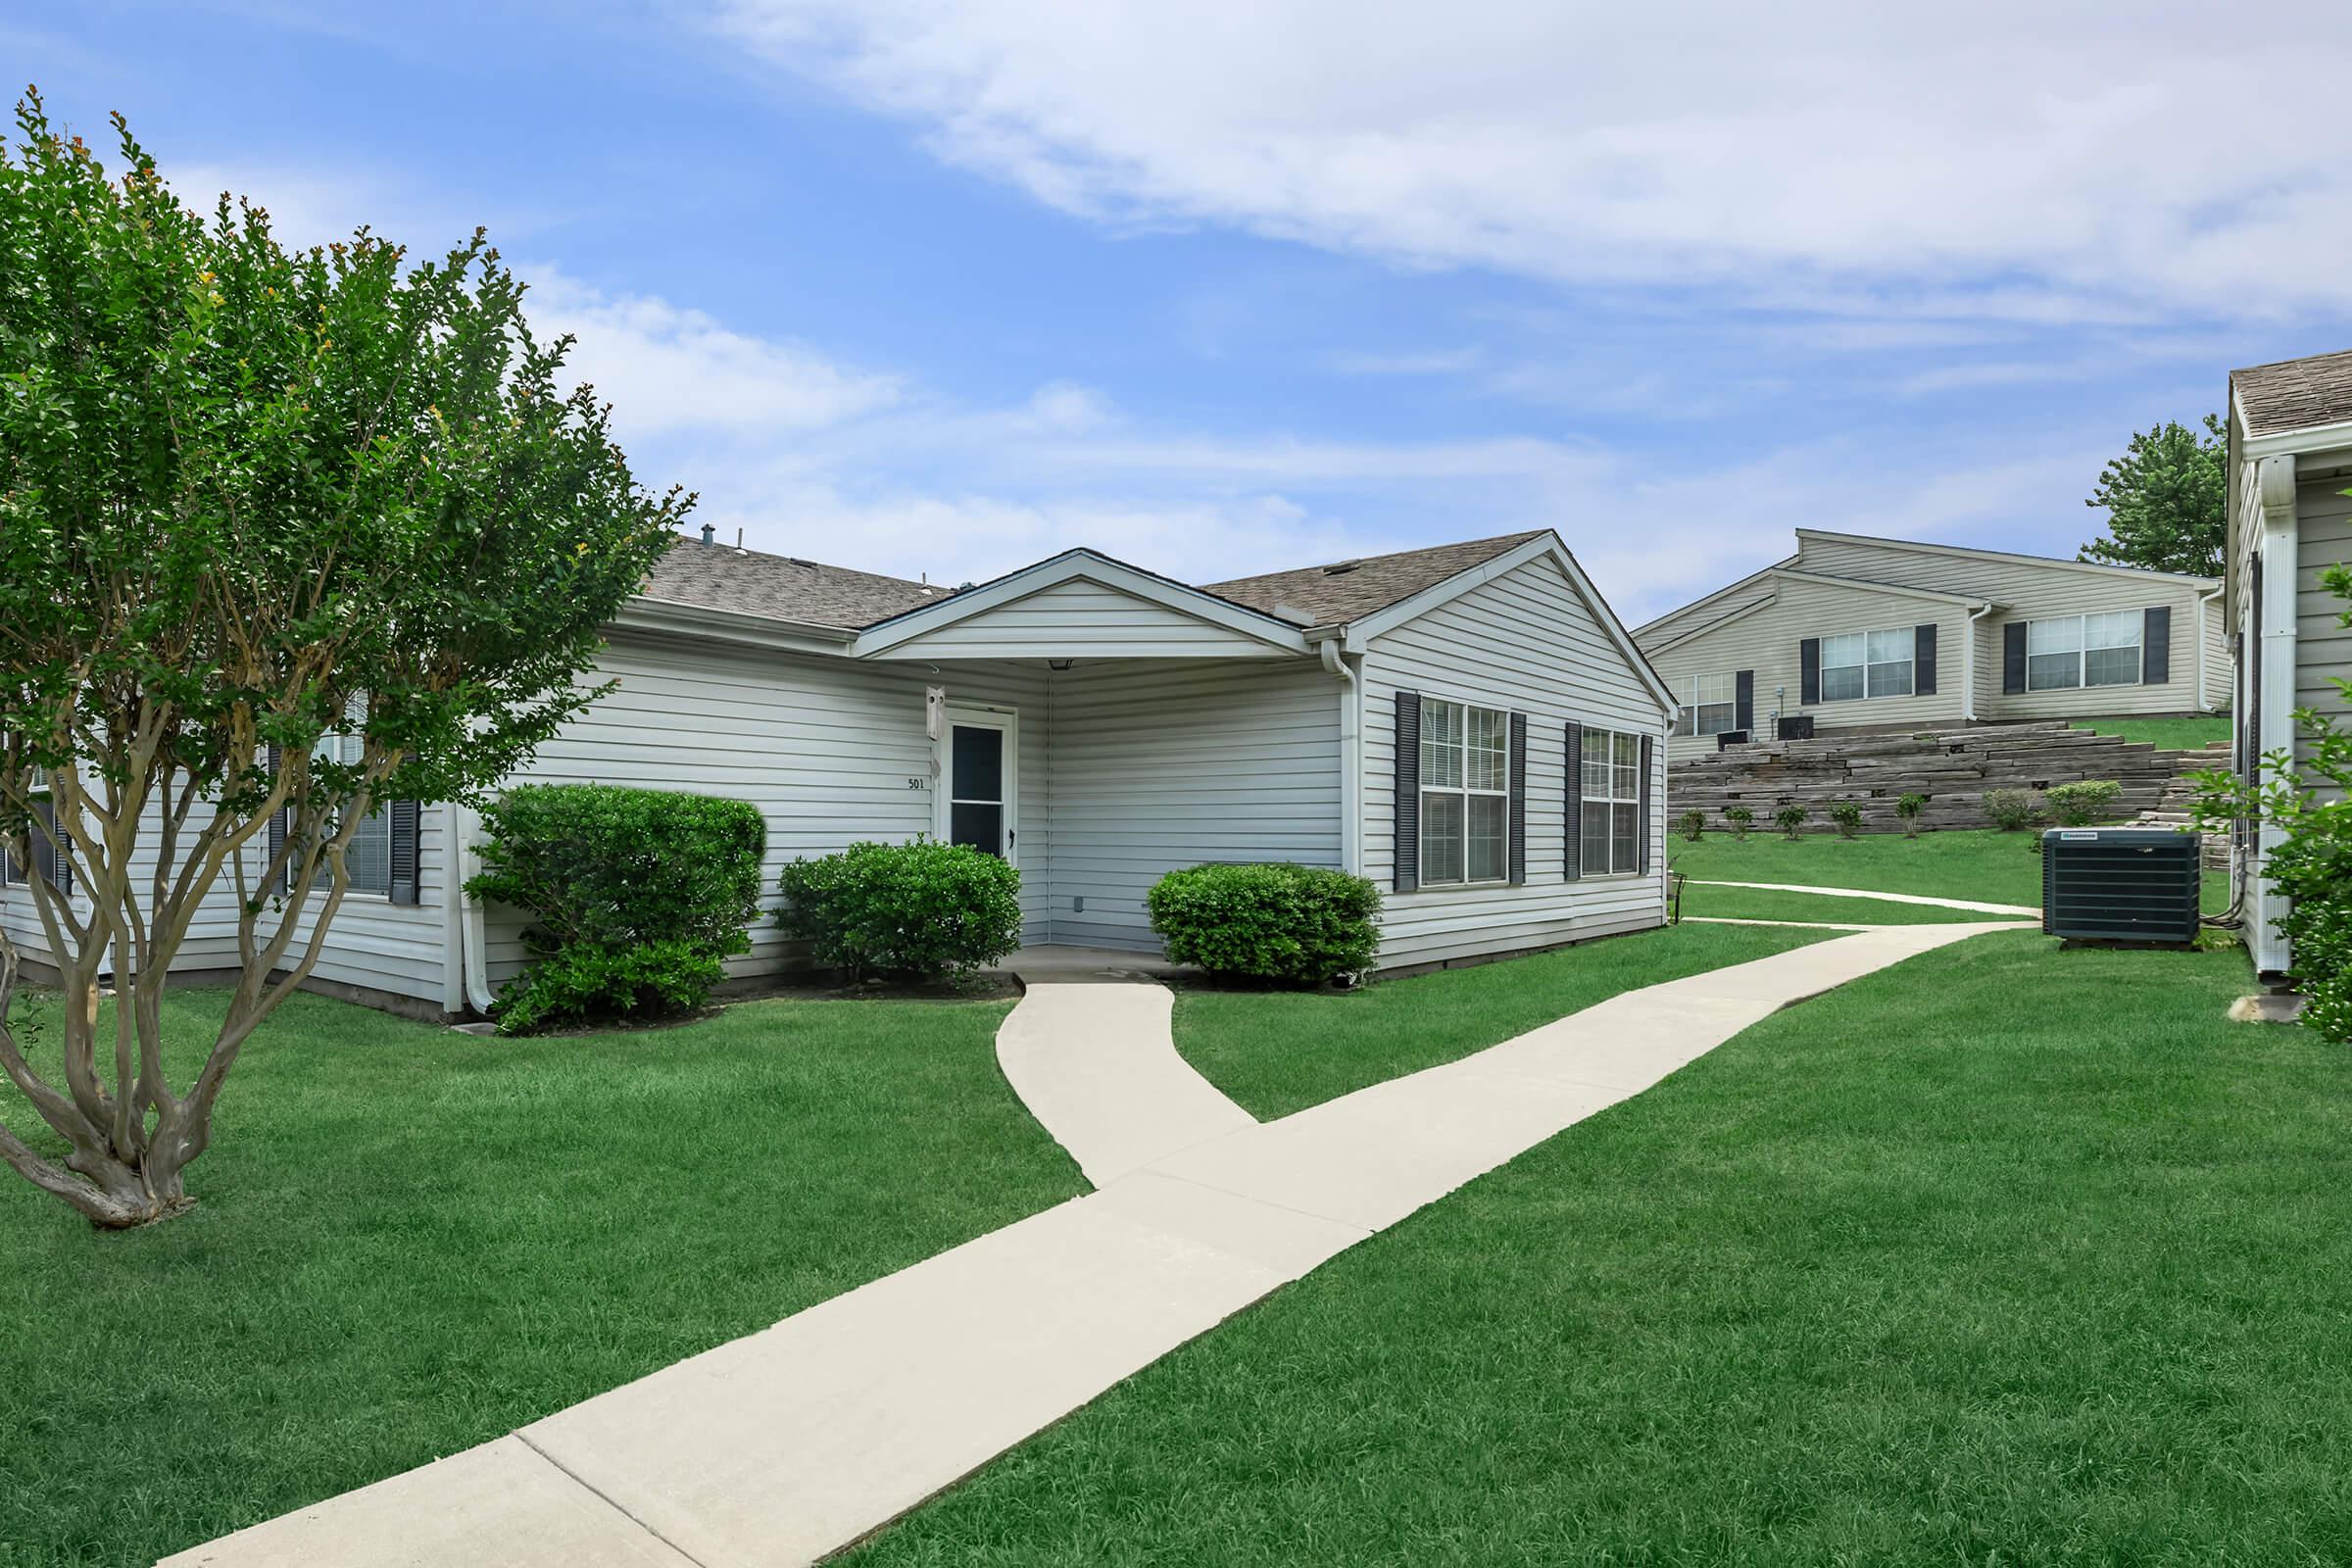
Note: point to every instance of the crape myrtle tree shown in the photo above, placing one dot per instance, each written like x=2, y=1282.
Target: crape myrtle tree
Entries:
x=252, y=499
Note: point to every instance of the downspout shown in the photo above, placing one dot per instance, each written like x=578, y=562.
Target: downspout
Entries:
x=476, y=941
x=2204, y=605
x=1968, y=663
x=453, y=914
x=2276, y=628
x=1351, y=760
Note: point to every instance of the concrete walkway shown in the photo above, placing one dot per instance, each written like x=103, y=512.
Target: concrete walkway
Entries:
x=2023, y=911
x=785, y=1446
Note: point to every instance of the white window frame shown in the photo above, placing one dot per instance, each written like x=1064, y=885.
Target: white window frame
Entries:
x=2083, y=650
x=1909, y=663
x=1614, y=779
x=1464, y=792
x=341, y=746
x=1691, y=718
x=34, y=789
x=970, y=715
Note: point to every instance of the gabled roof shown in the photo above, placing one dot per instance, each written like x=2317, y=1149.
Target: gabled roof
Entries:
x=1148, y=587
x=781, y=587
x=1980, y=553
x=1350, y=590
x=2293, y=394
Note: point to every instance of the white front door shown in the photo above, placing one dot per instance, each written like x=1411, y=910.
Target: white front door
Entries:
x=979, y=762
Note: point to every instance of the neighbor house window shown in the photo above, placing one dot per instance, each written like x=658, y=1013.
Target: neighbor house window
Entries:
x=37, y=790
x=2083, y=650
x=369, y=856
x=1710, y=706
x=1611, y=781
x=1465, y=794
x=1867, y=663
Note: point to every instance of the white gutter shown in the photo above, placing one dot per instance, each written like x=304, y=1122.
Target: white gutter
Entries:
x=476, y=939
x=2276, y=624
x=1968, y=662
x=2285, y=443
x=1351, y=756
x=2204, y=607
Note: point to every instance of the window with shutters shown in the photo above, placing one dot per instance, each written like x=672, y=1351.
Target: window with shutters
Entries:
x=369, y=856
x=1610, y=778
x=37, y=790
x=1710, y=706
x=1465, y=794
x=2070, y=650
x=1859, y=665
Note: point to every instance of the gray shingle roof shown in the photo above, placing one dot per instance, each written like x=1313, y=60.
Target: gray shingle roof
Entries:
x=1345, y=591
x=2294, y=393
x=723, y=577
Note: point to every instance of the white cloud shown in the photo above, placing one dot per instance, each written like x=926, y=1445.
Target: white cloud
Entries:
x=2008, y=157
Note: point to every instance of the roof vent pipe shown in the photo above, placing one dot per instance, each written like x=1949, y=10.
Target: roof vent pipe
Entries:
x=709, y=534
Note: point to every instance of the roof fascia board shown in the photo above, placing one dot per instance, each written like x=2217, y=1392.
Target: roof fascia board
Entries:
x=1724, y=619
x=641, y=613
x=1068, y=566
x=1360, y=633
x=2301, y=439
x=1974, y=553
x=1703, y=600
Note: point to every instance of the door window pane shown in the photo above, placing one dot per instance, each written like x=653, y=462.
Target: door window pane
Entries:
x=980, y=824
x=1441, y=837
x=979, y=764
x=1489, y=830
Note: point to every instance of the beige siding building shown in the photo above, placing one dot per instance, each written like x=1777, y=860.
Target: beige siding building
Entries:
x=2290, y=462
x=1859, y=633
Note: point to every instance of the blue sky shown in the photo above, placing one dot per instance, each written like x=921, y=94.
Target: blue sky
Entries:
x=1231, y=286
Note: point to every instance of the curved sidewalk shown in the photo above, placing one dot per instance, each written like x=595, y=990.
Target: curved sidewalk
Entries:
x=2021, y=911
x=788, y=1445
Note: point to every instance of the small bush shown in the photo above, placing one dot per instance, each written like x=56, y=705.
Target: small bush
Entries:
x=635, y=896
x=906, y=911
x=1847, y=814
x=2012, y=811
x=1793, y=820
x=2081, y=805
x=1908, y=808
x=1691, y=824
x=1742, y=819
x=1289, y=924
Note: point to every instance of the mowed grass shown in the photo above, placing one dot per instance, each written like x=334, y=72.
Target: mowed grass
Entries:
x=2005, y=1255
x=409, y=1241
x=1764, y=903
x=1274, y=1053
x=1982, y=864
x=2165, y=734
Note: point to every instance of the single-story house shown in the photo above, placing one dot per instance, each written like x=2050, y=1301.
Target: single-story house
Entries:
x=1853, y=632
x=2290, y=465
x=1469, y=726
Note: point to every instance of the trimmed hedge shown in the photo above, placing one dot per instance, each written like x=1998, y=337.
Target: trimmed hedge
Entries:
x=906, y=911
x=1279, y=922
x=636, y=898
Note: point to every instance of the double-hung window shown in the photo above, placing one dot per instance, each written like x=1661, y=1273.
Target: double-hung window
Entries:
x=1610, y=778
x=2083, y=651
x=1710, y=706
x=1867, y=663
x=1465, y=794
x=368, y=855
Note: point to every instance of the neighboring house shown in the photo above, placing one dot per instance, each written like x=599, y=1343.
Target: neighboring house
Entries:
x=1860, y=633
x=2290, y=462
x=1411, y=717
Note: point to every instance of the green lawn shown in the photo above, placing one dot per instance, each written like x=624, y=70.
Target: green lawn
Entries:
x=1980, y=863
x=1277, y=1053
x=1757, y=904
x=409, y=1241
x=2165, y=734
x=2005, y=1255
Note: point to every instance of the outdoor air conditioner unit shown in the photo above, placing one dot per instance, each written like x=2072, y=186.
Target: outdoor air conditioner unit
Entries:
x=1725, y=739
x=1792, y=727
x=2120, y=884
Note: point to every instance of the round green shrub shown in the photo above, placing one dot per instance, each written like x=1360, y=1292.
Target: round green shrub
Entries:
x=2079, y=805
x=1847, y=814
x=2012, y=811
x=1277, y=922
x=635, y=896
x=1691, y=824
x=906, y=911
x=1793, y=820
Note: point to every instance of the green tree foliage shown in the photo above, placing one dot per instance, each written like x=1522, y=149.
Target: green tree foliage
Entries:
x=250, y=497
x=2164, y=499
x=2311, y=803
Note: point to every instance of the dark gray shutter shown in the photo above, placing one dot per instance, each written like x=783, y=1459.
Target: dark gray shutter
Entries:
x=1744, y=717
x=403, y=817
x=277, y=824
x=49, y=862
x=2156, y=645
x=1407, y=869
x=1518, y=806
x=1808, y=659
x=2013, y=658
x=1923, y=660
x=1642, y=831
x=1575, y=799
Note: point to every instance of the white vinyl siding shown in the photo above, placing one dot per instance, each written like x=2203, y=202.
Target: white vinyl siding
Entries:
x=1523, y=642
x=2323, y=643
x=1611, y=782
x=1710, y=704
